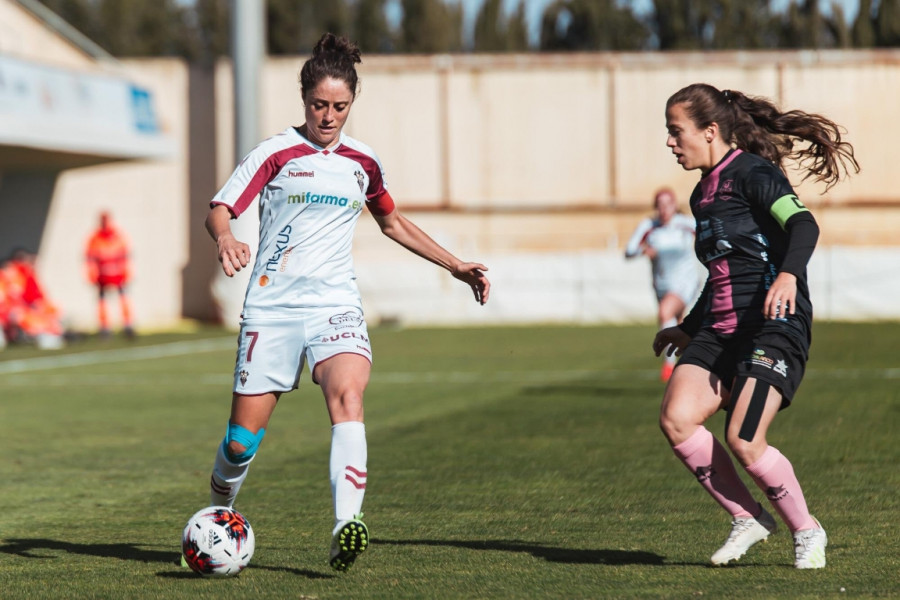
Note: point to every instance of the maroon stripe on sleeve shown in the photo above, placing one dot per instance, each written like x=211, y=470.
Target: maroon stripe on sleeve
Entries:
x=376, y=182
x=266, y=172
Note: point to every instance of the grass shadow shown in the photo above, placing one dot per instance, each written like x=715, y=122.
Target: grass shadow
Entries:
x=184, y=573
x=548, y=553
x=309, y=574
x=28, y=547
x=31, y=548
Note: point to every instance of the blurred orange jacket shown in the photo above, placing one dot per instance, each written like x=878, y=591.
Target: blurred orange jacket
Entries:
x=107, y=258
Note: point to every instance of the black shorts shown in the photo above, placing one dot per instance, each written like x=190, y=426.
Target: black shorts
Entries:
x=768, y=354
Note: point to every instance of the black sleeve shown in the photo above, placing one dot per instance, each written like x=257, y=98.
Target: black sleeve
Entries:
x=694, y=319
x=803, y=233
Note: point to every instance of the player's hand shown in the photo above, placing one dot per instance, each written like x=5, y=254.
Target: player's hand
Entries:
x=472, y=274
x=671, y=340
x=233, y=255
x=782, y=296
x=649, y=251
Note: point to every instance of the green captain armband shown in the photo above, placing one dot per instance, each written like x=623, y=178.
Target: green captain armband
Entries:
x=786, y=207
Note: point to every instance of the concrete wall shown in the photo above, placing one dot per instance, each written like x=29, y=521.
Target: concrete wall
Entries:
x=583, y=130
x=149, y=201
x=539, y=166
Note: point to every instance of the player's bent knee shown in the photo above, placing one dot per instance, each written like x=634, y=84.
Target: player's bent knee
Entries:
x=745, y=452
x=240, y=444
x=347, y=404
x=676, y=416
x=675, y=430
x=666, y=424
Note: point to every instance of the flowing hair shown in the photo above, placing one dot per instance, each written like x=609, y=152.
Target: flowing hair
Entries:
x=755, y=124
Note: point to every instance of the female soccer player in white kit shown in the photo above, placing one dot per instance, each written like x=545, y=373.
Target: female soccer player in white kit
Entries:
x=667, y=239
x=302, y=303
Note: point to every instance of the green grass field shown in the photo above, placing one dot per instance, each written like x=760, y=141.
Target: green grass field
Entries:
x=503, y=463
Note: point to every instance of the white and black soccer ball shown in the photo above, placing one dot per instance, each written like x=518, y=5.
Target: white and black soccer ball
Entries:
x=217, y=542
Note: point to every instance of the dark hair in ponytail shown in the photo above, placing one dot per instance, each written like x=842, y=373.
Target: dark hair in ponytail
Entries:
x=756, y=125
x=334, y=57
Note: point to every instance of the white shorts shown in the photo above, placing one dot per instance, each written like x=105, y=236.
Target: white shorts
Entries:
x=685, y=289
x=271, y=352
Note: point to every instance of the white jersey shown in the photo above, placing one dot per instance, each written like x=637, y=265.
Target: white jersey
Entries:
x=675, y=265
x=310, y=199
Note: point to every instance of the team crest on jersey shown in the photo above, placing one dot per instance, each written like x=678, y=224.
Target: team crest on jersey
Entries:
x=243, y=376
x=725, y=190
x=361, y=180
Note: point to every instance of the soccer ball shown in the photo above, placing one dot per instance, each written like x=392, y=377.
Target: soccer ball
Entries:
x=217, y=542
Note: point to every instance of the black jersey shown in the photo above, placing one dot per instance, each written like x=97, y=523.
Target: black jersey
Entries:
x=741, y=207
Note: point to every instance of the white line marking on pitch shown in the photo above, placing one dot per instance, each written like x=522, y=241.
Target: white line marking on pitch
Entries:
x=45, y=363
x=118, y=355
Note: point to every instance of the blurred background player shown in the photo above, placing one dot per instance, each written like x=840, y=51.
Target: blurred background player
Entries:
x=26, y=313
x=745, y=343
x=108, y=267
x=667, y=239
x=302, y=303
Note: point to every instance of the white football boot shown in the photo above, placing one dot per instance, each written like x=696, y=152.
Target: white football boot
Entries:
x=744, y=533
x=809, y=547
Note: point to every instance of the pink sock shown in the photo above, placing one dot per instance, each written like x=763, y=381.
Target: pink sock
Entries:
x=774, y=475
x=708, y=460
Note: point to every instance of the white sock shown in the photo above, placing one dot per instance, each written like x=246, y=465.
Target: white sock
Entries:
x=226, y=479
x=348, y=470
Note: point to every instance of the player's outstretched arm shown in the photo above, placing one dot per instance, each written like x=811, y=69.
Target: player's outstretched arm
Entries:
x=233, y=254
x=407, y=234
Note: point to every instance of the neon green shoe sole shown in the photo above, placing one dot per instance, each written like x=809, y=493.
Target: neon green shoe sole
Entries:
x=349, y=542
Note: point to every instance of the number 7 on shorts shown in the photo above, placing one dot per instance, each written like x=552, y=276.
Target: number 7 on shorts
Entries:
x=253, y=335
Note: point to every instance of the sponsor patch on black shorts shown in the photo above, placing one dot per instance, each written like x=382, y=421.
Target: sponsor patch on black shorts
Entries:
x=776, y=357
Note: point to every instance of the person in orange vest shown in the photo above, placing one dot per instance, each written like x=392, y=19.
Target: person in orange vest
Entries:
x=108, y=266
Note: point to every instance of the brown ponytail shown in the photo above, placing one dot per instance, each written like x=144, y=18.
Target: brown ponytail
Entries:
x=756, y=125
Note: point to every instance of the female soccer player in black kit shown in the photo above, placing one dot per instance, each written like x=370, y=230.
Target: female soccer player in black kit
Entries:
x=745, y=343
